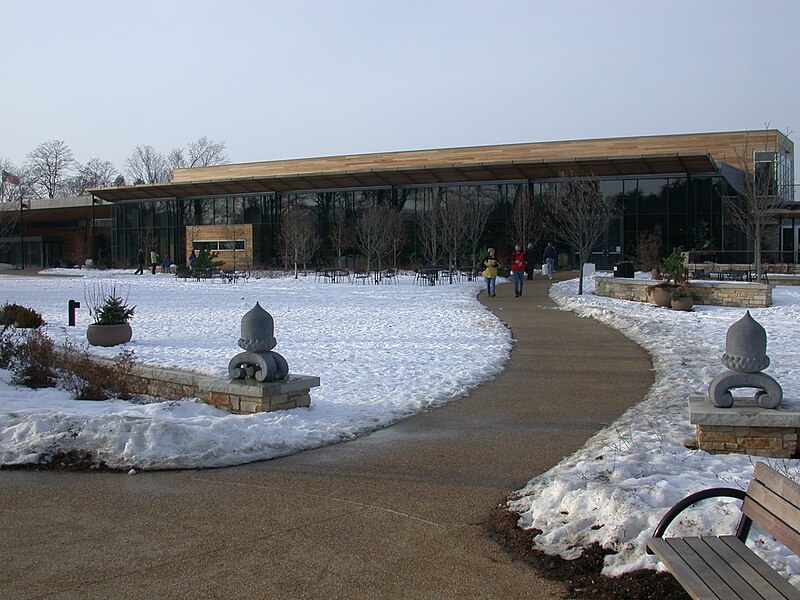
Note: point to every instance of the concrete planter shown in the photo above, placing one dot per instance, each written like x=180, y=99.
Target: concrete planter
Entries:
x=108, y=335
x=660, y=295
x=682, y=304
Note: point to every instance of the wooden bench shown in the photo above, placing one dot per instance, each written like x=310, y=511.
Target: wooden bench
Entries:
x=724, y=567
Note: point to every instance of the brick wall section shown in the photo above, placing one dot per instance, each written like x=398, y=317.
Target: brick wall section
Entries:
x=777, y=442
x=715, y=293
x=238, y=397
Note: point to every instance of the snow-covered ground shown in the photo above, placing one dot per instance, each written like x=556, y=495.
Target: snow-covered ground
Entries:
x=382, y=353
x=616, y=488
x=386, y=352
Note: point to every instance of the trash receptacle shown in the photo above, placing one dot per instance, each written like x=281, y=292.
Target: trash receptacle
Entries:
x=624, y=269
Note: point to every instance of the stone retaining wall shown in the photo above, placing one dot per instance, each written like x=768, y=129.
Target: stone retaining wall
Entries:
x=233, y=395
x=777, y=442
x=715, y=293
x=746, y=428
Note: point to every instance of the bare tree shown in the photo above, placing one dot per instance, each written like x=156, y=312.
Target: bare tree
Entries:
x=147, y=165
x=338, y=234
x=578, y=213
x=452, y=223
x=477, y=208
x=298, y=237
x=374, y=233
x=429, y=227
x=646, y=253
x=93, y=174
x=759, y=195
x=202, y=153
x=10, y=204
x=523, y=218
x=396, y=233
x=49, y=167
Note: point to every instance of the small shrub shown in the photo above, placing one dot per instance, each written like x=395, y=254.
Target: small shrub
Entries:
x=9, y=338
x=79, y=374
x=67, y=263
x=673, y=267
x=207, y=260
x=34, y=360
x=106, y=306
x=88, y=379
x=21, y=317
x=646, y=252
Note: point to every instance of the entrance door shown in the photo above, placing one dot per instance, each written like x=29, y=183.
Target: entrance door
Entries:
x=608, y=251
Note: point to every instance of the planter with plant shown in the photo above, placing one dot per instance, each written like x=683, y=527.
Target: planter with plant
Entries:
x=675, y=273
x=682, y=297
x=111, y=315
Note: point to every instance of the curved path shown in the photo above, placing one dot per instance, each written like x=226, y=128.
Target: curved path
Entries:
x=396, y=514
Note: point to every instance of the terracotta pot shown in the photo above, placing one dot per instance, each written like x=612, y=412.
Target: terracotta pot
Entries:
x=661, y=296
x=682, y=303
x=108, y=335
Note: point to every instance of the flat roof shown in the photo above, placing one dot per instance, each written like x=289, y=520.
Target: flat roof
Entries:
x=420, y=174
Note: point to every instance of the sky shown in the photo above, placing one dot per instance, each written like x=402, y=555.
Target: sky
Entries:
x=300, y=78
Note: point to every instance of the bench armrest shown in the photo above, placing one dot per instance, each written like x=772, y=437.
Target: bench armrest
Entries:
x=692, y=499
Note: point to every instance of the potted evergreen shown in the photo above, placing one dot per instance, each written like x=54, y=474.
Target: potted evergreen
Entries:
x=682, y=297
x=111, y=315
x=675, y=274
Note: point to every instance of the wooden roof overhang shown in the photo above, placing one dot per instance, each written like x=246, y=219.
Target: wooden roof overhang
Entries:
x=452, y=173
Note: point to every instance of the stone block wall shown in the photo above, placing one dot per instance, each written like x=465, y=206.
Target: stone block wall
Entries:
x=234, y=396
x=715, y=293
x=777, y=442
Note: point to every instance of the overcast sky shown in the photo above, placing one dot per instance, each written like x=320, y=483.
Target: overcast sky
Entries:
x=302, y=78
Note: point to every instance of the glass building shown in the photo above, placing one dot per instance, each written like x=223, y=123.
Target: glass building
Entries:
x=678, y=187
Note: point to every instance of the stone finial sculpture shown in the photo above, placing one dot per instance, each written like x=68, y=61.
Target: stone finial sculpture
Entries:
x=258, y=361
x=746, y=356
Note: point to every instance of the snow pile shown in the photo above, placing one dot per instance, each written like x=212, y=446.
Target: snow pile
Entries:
x=616, y=488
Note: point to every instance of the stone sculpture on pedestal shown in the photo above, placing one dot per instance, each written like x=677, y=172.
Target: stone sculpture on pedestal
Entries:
x=258, y=361
x=746, y=356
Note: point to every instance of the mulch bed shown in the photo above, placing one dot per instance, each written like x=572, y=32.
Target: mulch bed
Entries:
x=73, y=460
x=582, y=575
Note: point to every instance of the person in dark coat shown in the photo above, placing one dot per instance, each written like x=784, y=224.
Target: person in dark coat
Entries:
x=549, y=258
x=139, y=262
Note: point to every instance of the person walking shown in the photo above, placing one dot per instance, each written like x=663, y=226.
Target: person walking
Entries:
x=518, y=264
x=549, y=258
x=153, y=261
x=529, y=268
x=490, y=274
x=192, y=258
x=139, y=262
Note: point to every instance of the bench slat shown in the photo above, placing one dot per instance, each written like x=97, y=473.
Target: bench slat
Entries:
x=782, y=588
x=689, y=570
x=727, y=571
x=751, y=568
x=782, y=485
x=771, y=513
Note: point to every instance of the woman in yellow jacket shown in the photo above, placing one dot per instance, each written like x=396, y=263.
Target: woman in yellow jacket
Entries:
x=490, y=273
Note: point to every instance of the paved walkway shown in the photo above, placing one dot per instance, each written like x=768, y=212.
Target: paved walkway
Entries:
x=396, y=514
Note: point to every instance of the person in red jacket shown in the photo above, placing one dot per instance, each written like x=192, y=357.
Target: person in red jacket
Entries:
x=518, y=264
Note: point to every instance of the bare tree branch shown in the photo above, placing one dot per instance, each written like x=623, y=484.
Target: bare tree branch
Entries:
x=523, y=220
x=578, y=214
x=49, y=167
x=298, y=237
x=147, y=165
x=429, y=226
x=759, y=195
x=93, y=174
